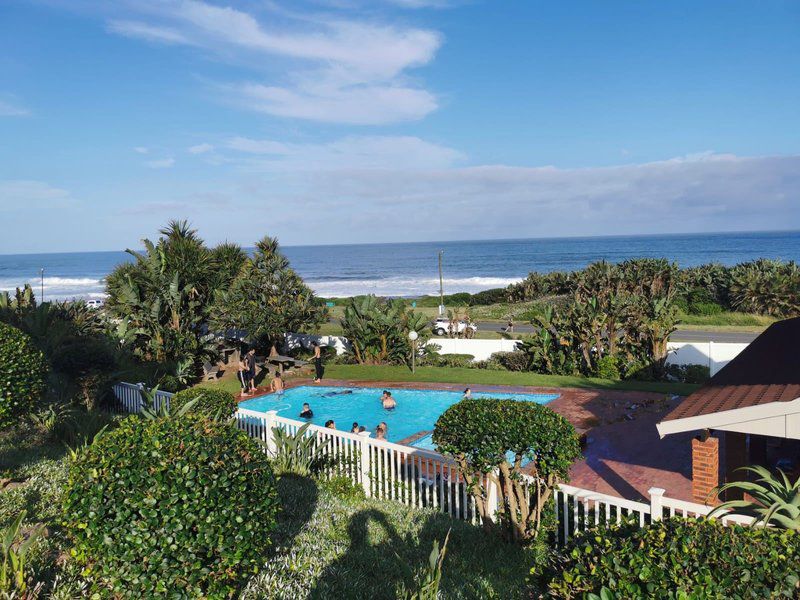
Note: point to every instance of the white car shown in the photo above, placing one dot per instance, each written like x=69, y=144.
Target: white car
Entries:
x=94, y=303
x=443, y=325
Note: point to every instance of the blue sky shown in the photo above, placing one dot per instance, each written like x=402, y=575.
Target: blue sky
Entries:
x=363, y=121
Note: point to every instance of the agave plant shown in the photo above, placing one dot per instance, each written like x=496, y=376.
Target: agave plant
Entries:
x=776, y=500
x=428, y=581
x=15, y=552
x=299, y=454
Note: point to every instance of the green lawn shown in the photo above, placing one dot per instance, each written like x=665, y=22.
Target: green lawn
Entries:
x=468, y=376
x=726, y=321
x=331, y=545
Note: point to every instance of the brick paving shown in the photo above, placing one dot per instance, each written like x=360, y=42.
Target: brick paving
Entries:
x=623, y=454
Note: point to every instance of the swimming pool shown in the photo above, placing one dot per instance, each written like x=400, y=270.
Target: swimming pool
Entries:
x=417, y=410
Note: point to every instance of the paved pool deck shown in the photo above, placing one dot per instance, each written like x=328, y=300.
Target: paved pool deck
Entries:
x=623, y=454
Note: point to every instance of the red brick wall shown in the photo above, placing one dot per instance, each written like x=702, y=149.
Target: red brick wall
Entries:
x=705, y=469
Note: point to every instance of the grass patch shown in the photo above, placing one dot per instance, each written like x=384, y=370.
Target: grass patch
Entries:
x=469, y=376
x=727, y=319
x=331, y=546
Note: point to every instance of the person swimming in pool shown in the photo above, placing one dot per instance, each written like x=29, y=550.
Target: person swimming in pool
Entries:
x=330, y=424
x=388, y=402
x=306, y=413
x=277, y=384
x=337, y=393
x=467, y=394
x=354, y=429
x=381, y=430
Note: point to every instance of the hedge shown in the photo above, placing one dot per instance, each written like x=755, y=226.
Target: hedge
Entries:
x=178, y=507
x=211, y=402
x=23, y=372
x=680, y=558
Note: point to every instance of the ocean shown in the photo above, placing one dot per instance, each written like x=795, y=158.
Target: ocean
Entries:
x=411, y=269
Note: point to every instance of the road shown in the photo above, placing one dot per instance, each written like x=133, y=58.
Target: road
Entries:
x=683, y=335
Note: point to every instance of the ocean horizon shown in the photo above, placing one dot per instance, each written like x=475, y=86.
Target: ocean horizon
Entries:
x=411, y=268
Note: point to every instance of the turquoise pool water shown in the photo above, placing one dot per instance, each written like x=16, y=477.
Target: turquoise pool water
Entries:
x=417, y=410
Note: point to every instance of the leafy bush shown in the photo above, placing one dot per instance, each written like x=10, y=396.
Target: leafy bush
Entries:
x=490, y=437
x=454, y=360
x=171, y=506
x=343, y=487
x=212, y=402
x=680, y=558
x=607, y=367
x=23, y=370
x=487, y=297
x=511, y=361
x=705, y=309
x=170, y=383
x=688, y=373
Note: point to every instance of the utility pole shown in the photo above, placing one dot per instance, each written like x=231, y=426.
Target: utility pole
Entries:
x=441, y=285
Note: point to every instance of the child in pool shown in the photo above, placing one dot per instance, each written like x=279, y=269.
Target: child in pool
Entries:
x=306, y=413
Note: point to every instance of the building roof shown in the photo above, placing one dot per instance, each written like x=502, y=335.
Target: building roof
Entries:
x=766, y=372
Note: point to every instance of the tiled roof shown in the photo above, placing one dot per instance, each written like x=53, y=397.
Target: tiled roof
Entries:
x=768, y=370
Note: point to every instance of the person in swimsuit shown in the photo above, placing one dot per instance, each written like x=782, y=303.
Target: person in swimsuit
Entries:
x=306, y=413
x=388, y=402
x=330, y=424
x=277, y=384
x=467, y=394
x=317, y=362
x=380, y=432
x=354, y=429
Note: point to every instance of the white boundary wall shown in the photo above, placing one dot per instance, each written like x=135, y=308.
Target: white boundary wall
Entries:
x=426, y=479
x=715, y=355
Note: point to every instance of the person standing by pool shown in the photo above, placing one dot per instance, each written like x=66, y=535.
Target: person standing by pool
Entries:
x=317, y=362
x=306, y=413
x=277, y=383
x=244, y=374
x=251, y=369
x=388, y=402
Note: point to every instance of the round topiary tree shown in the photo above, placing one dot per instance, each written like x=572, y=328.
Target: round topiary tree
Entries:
x=171, y=506
x=23, y=373
x=501, y=440
x=210, y=401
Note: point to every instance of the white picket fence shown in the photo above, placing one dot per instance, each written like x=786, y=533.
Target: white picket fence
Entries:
x=131, y=399
x=426, y=479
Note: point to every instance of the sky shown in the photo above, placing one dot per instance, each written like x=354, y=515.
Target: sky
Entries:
x=347, y=121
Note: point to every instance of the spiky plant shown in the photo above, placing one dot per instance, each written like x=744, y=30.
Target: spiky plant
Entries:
x=776, y=500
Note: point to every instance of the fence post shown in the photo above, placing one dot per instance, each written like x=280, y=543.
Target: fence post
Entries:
x=656, y=503
x=492, y=503
x=266, y=434
x=364, y=467
x=711, y=361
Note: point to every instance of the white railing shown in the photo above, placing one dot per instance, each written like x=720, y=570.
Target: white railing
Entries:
x=426, y=479
x=131, y=400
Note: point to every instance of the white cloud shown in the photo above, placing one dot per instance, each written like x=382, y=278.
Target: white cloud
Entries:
x=334, y=70
x=351, y=152
x=164, y=163
x=140, y=150
x=707, y=192
x=201, y=148
x=17, y=194
x=9, y=108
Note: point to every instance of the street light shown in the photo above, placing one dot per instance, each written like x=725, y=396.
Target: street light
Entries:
x=413, y=335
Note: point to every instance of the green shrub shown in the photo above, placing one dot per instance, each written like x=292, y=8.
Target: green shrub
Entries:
x=511, y=361
x=23, y=372
x=680, y=558
x=487, y=297
x=177, y=506
x=706, y=309
x=455, y=360
x=490, y=437
x=210, y=401
x=343, y=487
x=688, y=373
x=170, y=383
x=607, y=367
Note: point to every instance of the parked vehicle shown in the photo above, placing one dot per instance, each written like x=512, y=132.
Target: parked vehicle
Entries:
x=444, y=326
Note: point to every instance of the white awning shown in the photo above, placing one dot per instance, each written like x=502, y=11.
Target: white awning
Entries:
x=776, y=419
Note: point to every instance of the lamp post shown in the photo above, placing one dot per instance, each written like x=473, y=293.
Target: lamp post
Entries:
x=413, y=335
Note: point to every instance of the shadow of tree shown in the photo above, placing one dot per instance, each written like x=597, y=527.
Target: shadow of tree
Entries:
x=379, y=560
